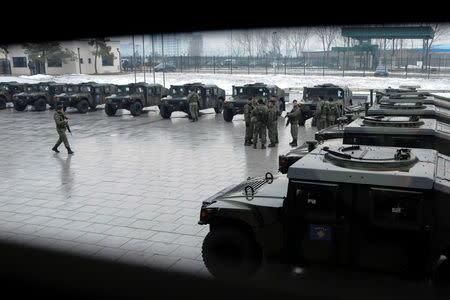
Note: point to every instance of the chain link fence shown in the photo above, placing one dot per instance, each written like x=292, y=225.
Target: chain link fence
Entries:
x=314, y=64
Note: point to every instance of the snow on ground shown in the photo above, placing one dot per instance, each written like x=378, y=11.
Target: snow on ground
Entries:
x=226, y=81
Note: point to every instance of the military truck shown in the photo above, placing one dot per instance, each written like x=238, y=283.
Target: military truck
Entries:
x=211, y=96
x=66, y=98
x=85, y=95
x=134, y=97
x=7, y=90
x=36, y=94
x=235, y=104
x=342, y=95
x=349, y=206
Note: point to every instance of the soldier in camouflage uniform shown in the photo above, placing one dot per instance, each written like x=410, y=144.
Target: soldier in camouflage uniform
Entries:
x=322, y=109
x=294, y=115
x=259, y=117
x=272, y=123
x=277, y=105
x=333, y=113
x=193, y=98
x=248, y=122
x=61, y=121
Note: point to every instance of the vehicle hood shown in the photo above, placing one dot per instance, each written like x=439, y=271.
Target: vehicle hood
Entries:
x=266, y=192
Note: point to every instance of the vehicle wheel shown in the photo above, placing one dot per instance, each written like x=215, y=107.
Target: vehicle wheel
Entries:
x=2, y=103
x=164, y=112
x=110, y=110
x=219, y=107
x=228, y=115
x=19, y=107
x=230, y=252
x=136, y=108
x=40, y=104
x=83, y=106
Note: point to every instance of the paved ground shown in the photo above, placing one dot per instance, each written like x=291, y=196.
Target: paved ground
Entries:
x=133, y=189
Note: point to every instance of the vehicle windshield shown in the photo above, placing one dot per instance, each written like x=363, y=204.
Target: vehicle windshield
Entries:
x=86, y=89
x=313, y=94
x=71, y=88
x=31, y=88
x=178, y=91
x=43, y=88
x=250, y=91
x=124, y=90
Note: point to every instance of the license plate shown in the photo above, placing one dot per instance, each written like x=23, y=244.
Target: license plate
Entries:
x=320, y=233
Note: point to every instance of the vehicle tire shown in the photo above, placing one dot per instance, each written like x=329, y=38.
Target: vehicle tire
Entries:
x=228, y=115
x=83, y=106
x=110, y=109
x=136, y=108
x=2, y=103
x=19, y=107
x=219, y=108
x=164, y=112
x=40, y=104
x=229, y=252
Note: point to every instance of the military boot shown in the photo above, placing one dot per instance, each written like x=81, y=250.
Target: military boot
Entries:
x=272, y=145
x=294, y=143
x=69, y=151
x=263, y=146
x=55, y=149
x=254, y=146
x=247, y=143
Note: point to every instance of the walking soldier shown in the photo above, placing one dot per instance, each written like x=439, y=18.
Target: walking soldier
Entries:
x=322, y=109
x=61, y=122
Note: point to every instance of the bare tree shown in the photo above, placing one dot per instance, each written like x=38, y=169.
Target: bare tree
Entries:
x=298, y=38
x=245, y=40
x=327, y=35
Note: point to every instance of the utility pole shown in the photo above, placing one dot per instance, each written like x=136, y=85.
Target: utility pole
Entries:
x=153, y=60
x=79, y=60
x=143, y=57
x=134, y=61
x=163, y=61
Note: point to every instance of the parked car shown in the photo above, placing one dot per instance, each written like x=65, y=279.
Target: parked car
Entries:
x=381, y=71
x=168, y=68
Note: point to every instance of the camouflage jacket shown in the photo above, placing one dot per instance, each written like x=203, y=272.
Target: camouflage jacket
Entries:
x=59, y=118
x=273, y=114
x=334, y=112
x=193, y=98
x=294, y=115
x=260, y=114
x=248, y=108
x=322, y=109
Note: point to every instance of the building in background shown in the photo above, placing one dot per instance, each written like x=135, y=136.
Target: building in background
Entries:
x=83, y=64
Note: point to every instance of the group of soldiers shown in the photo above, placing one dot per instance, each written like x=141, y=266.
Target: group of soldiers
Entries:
x=261, y=119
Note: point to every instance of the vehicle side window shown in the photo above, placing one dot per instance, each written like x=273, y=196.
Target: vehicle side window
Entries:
x=318, y=200
x=208, y=92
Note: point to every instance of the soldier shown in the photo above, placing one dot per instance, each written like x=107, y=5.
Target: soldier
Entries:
x=248, y=122
x=333, y=113
x=322, y=109
x=259, y=117
x=272, y=123
x=277, y=106
x=193, y=99
x=61, y=121
x=294, y=115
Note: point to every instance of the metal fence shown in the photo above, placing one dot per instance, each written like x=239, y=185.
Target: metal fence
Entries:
x=331, y=65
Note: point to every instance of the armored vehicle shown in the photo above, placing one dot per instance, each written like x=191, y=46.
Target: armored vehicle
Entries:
x=211, y=96
x=85, y=95
x=36, y=94
x=66, y=98
x=7, y=90
x=414, y=98
x=342, y=95
x=410, y=109
x=134, y=97
x=391, y=91
x=351, y=206
x=235, y=104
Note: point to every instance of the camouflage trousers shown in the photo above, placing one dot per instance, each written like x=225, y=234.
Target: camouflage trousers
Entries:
x=259, y=130
x=321, y=123
x=193, y=109
x=62, y=139
x=294, y=131
x=331, y=122
x=249, y=130
x=272, y=131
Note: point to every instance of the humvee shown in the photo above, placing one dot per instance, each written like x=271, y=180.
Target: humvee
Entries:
x=351, y=206
x=36, y=94
x=85, y=95
x=7, y=90
x=378, y=131
x=235, y=104
x=66, y=98
x=342, y=95
x=211, y=96
x=134, y=97
x=410, y=109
